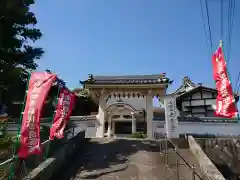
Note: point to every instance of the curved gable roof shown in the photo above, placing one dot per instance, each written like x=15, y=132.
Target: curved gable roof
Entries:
x=187, y=85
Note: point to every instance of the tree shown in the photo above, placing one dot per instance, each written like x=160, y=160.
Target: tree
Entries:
x=84, y=104
x=82, y=92
x=17, y=32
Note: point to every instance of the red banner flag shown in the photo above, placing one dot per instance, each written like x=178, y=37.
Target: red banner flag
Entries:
x=39, y=86
x=225, y=102
x=63, y=112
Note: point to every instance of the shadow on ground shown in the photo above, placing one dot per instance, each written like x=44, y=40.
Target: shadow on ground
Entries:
x=100, y=157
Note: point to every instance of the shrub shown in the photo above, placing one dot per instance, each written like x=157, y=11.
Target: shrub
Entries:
x=3, y=126
x=139, y=135
x=5, y=142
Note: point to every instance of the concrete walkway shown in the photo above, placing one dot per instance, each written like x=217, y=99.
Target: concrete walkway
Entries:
x=121, y=159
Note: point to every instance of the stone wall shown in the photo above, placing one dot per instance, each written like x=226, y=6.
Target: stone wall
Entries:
x=223, y=152
x=46, y=169
x=208, y=168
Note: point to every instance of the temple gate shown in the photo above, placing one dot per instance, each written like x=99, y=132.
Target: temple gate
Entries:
x=126, y=102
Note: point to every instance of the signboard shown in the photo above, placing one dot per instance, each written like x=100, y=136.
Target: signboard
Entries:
x=171, y=117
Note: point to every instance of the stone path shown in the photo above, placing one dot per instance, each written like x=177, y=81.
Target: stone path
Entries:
x=120, y=159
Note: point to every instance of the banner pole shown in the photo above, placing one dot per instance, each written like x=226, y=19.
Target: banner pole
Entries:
x=54, y=112
x=221, y=45
x=19, y=129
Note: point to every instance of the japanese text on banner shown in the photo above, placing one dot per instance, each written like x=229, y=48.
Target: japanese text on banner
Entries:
x=63, y=112
x=225, y=102
x=39, y=86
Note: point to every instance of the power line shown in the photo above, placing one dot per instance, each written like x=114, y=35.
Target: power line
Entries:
x=231, y=13
x=209, y=27
x=237, y=89
x=231, y=28
x=221, y=20
x=229, y=20
x=204, y=25
x=237, y=85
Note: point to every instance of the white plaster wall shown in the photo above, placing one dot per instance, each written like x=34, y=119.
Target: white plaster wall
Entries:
x=197, y=103
x=198, y=111
x=185, y=103
x=196, y=95
x=210, y=128
x=137, y=103
x=183, y=127
x=122, y=112
x=211, y=101
x=202, y=128
x=207, y=95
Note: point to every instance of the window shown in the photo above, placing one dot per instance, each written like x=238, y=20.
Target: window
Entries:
x=127, y=117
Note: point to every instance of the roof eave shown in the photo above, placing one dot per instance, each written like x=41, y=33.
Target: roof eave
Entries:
x=93, y=82
x=126, y=86
x=236, y=96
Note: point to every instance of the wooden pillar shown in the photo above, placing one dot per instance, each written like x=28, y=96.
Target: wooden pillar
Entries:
x=113, y=127
x=149, y=114
x=109, y=132
x=133, y=124
x=101, y=115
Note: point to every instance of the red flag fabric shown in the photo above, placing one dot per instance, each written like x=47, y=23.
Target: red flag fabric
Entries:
x=39, y=86
x=225, y=102
x=64, y=109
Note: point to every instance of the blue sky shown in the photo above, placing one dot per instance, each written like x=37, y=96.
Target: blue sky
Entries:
x=117, y=37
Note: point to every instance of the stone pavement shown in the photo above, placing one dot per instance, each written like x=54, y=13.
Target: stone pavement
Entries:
x=122, y=159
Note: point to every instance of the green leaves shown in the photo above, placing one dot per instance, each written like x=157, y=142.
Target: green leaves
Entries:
x=82, y=92
x=3, y=128
x=17, y=31
x=32, y=34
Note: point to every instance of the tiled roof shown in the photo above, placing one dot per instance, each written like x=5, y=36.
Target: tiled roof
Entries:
x=128, y=79
x=187, y=85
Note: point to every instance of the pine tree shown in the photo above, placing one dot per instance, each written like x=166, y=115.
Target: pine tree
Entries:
x=17, y=34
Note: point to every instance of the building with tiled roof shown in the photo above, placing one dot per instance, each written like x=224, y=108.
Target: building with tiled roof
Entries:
x=126, y=104
x=127, y=80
